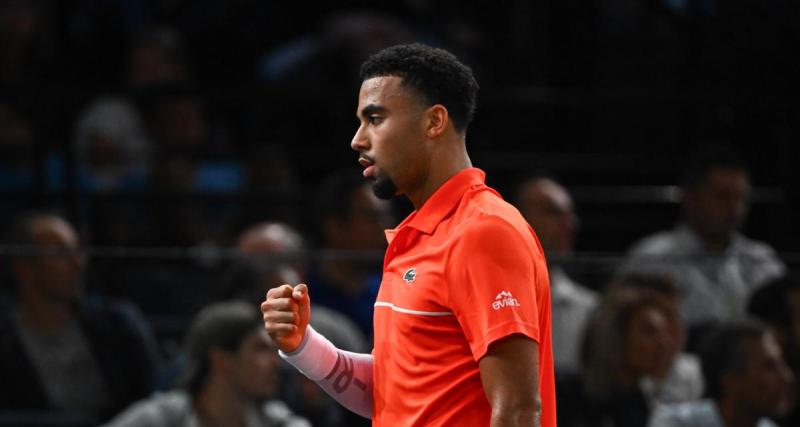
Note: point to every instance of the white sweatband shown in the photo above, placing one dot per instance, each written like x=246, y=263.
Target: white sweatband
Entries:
x=315, y=357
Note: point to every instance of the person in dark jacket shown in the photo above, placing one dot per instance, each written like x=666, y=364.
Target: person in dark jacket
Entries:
x=61, y=350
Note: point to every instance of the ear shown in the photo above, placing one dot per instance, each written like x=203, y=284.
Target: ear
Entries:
x=437, y=120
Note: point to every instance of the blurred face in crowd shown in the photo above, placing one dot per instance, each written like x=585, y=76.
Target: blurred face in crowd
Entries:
x=390, y=139
x=671, y=308
x=258, y=243
x=763, y=387
x=649, y=346
x=548, y=208
x=718, y=207
x=179, y=123
x=253, y=368
x=55, y=275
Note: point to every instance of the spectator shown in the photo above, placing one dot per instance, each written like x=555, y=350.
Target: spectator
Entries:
x=628, y=339
x=272, y=184
x=680, y=378
x=111, y=147
x=548, y=208
x=189, y=159
x=747, y=381
x=716, y=267
x=269, y=255
x=17, y=149
x=351, y=221
x=230, y=376
x=59, y=349
x=157, y=56
x=778, y=305
x=27, y=44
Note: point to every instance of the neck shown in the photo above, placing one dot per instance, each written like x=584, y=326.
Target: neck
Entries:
x=712, y=243
x=734, y=414
x=715, y=244
x=46, y=316
x=218, y=406
x=447, y=161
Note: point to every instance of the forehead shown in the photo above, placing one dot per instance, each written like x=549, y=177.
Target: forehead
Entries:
x=53, y=231
x=757, y=350
x=648, y=314
x=547, y=191
x=385, y=91
x=727, y=177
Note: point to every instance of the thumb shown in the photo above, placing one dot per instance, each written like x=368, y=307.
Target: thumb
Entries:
x=300, y=293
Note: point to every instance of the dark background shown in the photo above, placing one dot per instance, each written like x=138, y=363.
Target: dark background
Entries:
x=610, y=96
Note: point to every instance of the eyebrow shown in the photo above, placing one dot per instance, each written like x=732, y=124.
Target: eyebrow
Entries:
x=371, y=109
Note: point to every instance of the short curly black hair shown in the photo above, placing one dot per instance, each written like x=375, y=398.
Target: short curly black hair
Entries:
x=433, y=72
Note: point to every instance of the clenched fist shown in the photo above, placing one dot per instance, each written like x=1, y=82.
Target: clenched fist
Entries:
x=286, y=313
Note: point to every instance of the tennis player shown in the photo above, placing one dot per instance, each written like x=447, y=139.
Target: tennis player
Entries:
x=462, y=320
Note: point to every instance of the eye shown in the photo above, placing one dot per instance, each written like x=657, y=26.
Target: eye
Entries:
x=375, y=120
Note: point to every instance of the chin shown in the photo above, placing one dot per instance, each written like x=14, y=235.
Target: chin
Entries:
x=384, y=188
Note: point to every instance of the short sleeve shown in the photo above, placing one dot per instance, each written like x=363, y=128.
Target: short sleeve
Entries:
x=491, y=283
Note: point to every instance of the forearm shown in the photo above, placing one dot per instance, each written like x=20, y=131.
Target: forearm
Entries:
x=517, y=417
x=346, y=376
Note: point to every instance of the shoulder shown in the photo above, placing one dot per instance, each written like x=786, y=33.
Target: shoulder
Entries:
x=278, y=413
x=487, y=233
x=663, y=242
x=567, y=289
x=701, y=413
x=484, y=214
x=161, y=409
x=757, y=249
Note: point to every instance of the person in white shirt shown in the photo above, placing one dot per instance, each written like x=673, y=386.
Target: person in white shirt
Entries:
x=229, y=379
x=748, y=384
x=548, y=208
x=716, y=267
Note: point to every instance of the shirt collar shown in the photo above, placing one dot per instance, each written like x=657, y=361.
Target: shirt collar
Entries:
x=443, y=200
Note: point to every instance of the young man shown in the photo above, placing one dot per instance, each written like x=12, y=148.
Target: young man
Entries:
x=747, y=381
x=462, y=318
x=230, y=375
x=716, y=267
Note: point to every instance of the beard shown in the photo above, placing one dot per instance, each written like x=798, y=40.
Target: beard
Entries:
x=384, y=188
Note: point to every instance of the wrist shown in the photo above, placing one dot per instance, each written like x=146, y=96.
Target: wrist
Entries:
x=296, y=348
x=315, y=357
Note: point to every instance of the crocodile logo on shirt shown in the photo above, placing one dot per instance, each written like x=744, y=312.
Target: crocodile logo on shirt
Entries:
x=504, y=299
x=410, y=275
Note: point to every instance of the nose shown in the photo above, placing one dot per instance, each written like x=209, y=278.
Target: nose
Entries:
x=360, y=142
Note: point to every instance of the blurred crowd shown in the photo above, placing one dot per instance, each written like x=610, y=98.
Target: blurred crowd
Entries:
x=164, y=163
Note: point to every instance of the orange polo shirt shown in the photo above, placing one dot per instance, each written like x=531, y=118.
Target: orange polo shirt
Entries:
x=462, y=272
